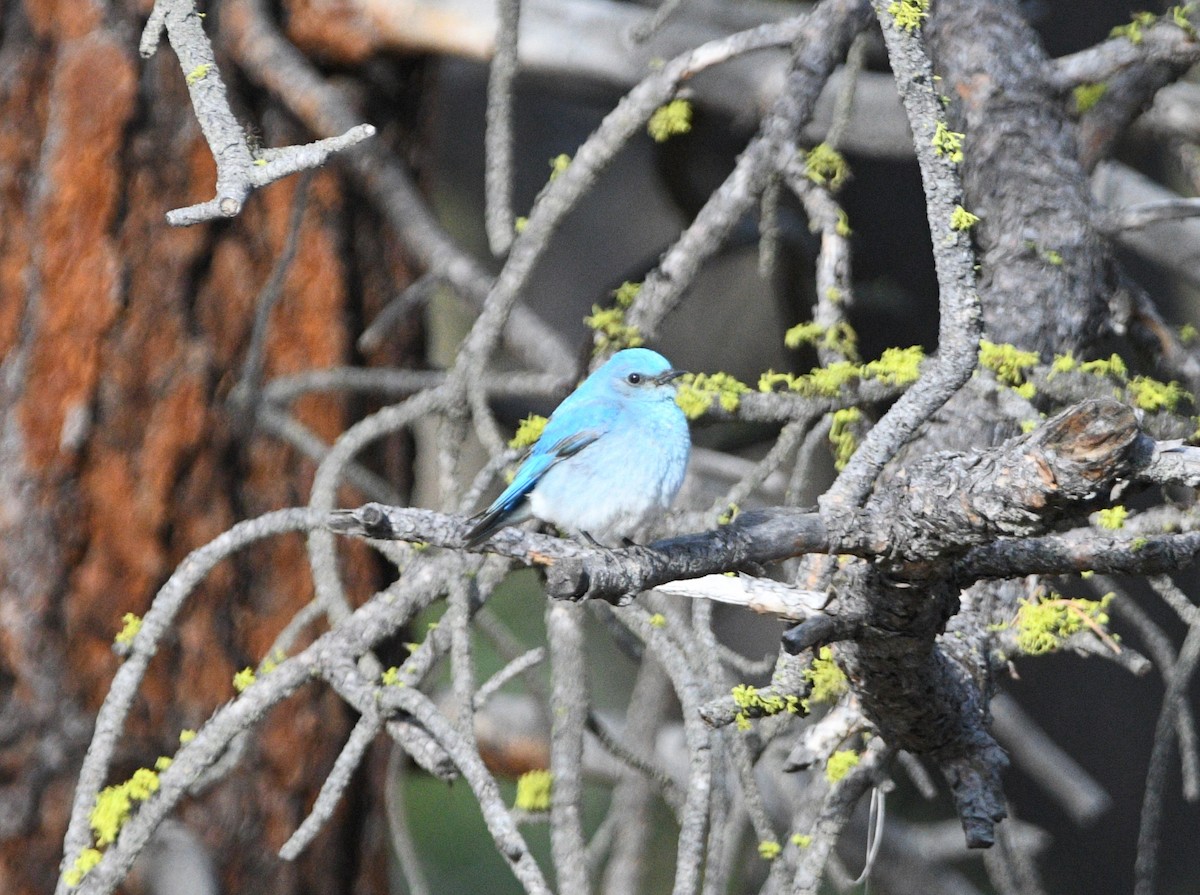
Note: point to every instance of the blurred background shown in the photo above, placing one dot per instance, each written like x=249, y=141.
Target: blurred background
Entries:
x=123, y=447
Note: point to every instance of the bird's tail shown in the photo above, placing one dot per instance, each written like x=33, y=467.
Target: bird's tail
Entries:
x=495, y=518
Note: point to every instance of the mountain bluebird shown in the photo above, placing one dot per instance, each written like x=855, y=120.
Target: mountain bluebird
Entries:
x=611, y=456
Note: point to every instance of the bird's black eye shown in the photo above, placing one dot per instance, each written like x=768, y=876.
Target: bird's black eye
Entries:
x=634, y=378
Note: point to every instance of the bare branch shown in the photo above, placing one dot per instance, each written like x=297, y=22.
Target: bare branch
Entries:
x=239, y=171
x=1178, y=681
x=361, y=737
x=822, y=39
x=278, y=66
x=498, y=135
x=1148, y=213
x=564, y=634
x=1076, y=791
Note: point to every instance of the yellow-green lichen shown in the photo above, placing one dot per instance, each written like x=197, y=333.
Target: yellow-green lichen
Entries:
x=612, y=332
x=533, y=791
x=143, y=784
x=1187, y=334
x=625, y=294
x=1026, y=390
x=109, y=814
x=1112, y=367
x=842, y=437
x=947, y=142
x=896, y=366
x=198, y=73
x=842, y=226
x=1135, y=30
x=88, y=858
x=1181, y=17
x=130, y=625
x=961, y=219
x=801, y=840
x=828, y=680
x=1007, y=362
x=1063, y=363
x=840, y=338
x=243, y=679
x=529, y=430
x=1151, y=394
x=839, y=764
x=558, y=164
x=609, y=323
x=668, y=120
x=1087, y=95
x=114, y=804
x=826, y=166
x=1043, y=624
x=391, y=677
x=1112, y=518
x=271, y=662
x=909, y=14
x=752, y=701
x=769, y=849
x=803, y=334
x=697, y=392
x=658, y=620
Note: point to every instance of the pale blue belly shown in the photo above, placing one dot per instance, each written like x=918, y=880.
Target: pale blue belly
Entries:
x=617, y=483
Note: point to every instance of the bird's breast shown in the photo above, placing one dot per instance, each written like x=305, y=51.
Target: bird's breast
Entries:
x=627, y=475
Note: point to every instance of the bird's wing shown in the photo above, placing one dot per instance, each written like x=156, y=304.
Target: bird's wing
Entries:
x=566, y=434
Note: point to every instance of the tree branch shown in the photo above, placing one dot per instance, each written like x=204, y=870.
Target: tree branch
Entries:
x=239, y=170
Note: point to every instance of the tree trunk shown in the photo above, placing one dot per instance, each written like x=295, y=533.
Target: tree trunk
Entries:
x=122, y=340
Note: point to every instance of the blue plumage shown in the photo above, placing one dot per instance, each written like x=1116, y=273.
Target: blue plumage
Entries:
x=611, y=456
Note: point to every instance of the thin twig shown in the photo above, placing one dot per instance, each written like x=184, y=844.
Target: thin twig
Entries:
x=835, y=814
x=248, y=391
x=1075, y=790
x=335, y=784
x=1161, y=650
x=630, y=807
x=694, y=817
x=121, y=693
x=403, y=846
x=564, y=633
x=1149, y=833
x=498, y=133
x=527, y=660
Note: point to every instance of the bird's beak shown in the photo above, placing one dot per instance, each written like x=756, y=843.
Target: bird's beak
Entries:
x=669, y=376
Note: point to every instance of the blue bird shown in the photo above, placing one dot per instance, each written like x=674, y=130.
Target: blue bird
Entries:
x=611, y=457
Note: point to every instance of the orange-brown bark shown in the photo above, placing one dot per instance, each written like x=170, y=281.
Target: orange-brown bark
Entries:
x=122, y=339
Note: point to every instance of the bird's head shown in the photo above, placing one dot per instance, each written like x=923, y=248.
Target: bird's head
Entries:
x=639, y=373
